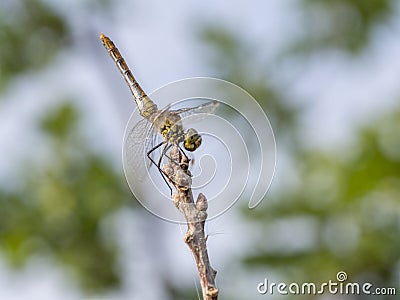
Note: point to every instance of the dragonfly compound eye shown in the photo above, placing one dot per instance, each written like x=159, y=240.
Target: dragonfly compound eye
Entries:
x=192, y=139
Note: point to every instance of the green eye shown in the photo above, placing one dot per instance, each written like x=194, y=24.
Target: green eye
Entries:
x=192, y=140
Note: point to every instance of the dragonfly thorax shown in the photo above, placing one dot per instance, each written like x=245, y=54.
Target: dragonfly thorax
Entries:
x=170, y=127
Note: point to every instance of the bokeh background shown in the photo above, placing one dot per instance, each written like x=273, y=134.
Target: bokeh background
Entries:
x=325, y=72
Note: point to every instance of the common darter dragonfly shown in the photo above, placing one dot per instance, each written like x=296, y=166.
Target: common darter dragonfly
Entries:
x=166, y=122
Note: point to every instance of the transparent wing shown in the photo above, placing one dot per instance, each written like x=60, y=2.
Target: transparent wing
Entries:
x=135, y=150
x=144, y=136
x=206, y=108
x=153, y=139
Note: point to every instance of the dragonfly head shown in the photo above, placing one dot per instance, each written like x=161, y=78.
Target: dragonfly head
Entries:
x=192, y=139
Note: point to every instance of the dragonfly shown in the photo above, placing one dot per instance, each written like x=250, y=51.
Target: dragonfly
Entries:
x=165, y=122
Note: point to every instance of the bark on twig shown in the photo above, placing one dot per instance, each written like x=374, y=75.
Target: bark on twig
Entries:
x=195, y=215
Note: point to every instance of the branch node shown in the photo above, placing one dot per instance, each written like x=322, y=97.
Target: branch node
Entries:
x=201, y=203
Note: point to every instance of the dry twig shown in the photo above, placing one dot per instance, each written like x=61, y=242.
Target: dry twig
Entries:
x=195, y=215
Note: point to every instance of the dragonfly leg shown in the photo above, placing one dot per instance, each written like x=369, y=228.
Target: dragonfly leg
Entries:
x=173, y=160
x=184, y=154
x=165, y=149
x=177, y=163
x=163, y=174
x=163, y=153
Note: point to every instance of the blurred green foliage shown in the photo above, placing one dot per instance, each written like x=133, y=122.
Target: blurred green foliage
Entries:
x=59, y=210
x=345, y=207
x=353, y=198
x=188, y=293
x=343, y=24
x=31, y=34
x=60, y=203
x=61, y=124
x=236, y=61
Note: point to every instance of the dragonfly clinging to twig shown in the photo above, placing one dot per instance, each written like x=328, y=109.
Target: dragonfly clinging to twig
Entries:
x=166, y=122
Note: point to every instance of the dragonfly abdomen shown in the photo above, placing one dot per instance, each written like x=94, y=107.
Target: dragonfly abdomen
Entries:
x=146, y=106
